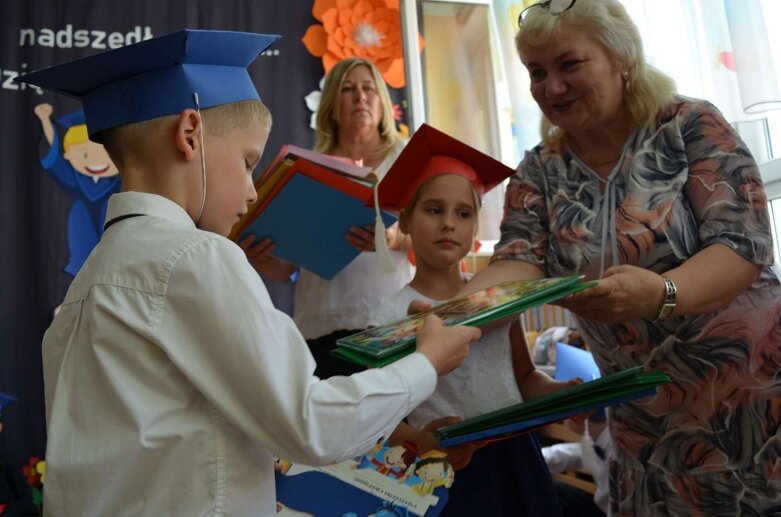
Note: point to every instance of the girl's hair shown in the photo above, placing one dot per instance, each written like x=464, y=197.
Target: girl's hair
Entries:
x=648, y=91
x=130, y=140
x=327, y=119
x=407, y=212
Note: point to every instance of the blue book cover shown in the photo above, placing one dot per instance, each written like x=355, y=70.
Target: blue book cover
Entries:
x=308, y=221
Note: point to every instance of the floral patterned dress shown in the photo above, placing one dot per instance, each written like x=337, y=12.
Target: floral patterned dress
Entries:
x=708, y=443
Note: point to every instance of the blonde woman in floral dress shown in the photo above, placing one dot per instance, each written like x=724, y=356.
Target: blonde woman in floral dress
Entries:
x=654, y=195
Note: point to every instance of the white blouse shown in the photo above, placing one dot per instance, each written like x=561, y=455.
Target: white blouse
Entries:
x=484, y=382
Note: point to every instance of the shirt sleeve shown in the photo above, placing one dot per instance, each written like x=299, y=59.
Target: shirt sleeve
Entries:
x=724, y=188
x=525, y=224
x=249, y=360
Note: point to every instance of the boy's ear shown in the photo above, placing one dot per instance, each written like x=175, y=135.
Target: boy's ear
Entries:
x=188, y=130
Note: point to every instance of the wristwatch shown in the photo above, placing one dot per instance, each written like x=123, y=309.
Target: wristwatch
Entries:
x=668, y=304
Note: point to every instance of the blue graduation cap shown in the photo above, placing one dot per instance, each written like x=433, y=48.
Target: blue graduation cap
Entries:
x=69, y=120
x=158, y=77
x=574, y=362
x=5, y=400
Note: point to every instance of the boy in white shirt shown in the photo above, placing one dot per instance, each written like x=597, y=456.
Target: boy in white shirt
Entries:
x=169, y=375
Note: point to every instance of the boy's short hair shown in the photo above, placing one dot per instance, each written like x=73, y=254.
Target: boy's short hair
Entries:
x=130, y=140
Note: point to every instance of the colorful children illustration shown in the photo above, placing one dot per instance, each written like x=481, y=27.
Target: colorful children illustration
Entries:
x=433, y=472
x=84, y=170
x=389, y=461
x=381, y=483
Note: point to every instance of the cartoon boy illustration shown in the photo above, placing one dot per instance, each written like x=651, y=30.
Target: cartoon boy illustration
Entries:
x=389, y=461
x=433, y=472
x=84, y=169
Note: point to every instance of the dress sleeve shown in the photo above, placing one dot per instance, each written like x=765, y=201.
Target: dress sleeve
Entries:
x=219, y=328
x=525, y=224
x=724, y=188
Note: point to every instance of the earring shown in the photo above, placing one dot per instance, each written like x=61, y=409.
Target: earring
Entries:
x=627, y=85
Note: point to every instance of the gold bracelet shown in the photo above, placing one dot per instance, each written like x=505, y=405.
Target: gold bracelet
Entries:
x=668, y=304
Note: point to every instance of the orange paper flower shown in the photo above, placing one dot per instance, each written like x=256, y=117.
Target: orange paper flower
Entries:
x=359, y=28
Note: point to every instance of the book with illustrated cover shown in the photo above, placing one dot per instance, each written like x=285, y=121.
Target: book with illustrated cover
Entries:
x=609, y=390
x=388, y=480
x=306, y=204
x=382, y=345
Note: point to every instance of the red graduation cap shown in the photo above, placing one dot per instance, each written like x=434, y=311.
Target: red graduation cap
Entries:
x=431, y=152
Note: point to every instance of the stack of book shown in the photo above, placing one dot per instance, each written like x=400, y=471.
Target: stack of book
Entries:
x=385, y=344
x=580, y=399
x=306, y=204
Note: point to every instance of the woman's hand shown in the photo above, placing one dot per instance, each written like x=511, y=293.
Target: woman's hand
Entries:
x=624, y=294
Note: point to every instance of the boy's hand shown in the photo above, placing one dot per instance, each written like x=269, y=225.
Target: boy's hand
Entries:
x=445, y=347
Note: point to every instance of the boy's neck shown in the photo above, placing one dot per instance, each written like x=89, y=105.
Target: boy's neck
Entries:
x=168, y=182
x=438, y=284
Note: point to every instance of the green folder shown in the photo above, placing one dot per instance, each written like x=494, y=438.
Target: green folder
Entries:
x=608, y=390
x=385, y=344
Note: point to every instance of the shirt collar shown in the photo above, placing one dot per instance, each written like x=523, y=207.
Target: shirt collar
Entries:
x=126, y=203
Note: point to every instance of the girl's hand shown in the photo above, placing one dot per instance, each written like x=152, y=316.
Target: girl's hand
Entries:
x=624, y=294
x=258, y=254
x=418, y=306
x=458, y=456
x=361, y=239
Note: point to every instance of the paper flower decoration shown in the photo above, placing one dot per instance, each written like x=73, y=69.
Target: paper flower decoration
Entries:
x=369, y=29
x=35, y=472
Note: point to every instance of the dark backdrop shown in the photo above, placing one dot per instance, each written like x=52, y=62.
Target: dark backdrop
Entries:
x=34, y=209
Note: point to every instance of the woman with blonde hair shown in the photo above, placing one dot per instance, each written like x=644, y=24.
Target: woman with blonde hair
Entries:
x=354, y=121
x=655, y=196
x=338, y=136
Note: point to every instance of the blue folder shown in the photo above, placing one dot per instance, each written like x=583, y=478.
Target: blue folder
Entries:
x=308, y=221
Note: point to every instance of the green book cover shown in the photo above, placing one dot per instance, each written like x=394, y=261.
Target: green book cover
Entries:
x=526, y=416
x=384, y=344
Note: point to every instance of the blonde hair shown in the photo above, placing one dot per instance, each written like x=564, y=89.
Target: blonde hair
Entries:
x=606, y=21
x=406, y=212
x=327, y=119
x=131, y=139
x=75, y=135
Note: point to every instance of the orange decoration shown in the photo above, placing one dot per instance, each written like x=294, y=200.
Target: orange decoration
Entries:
x=370, y=29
